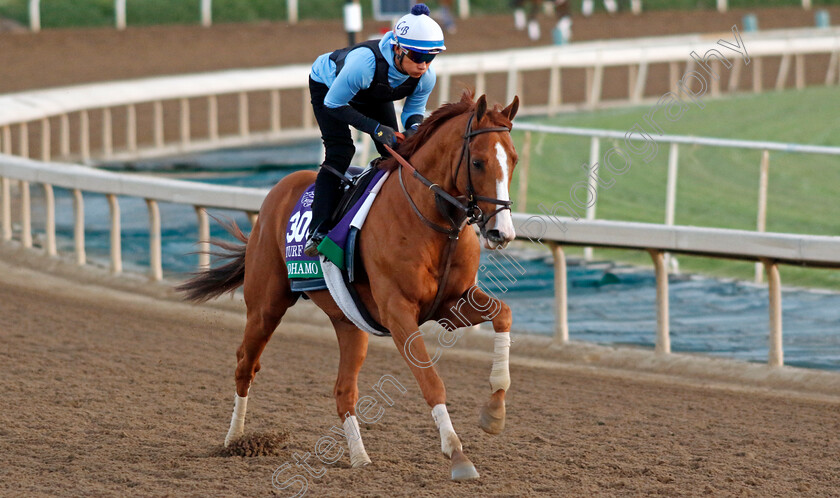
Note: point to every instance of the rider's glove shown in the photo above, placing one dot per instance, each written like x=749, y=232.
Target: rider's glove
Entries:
x=385, y=135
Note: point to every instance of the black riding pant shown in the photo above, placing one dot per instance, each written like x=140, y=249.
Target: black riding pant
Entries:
x=338, y=144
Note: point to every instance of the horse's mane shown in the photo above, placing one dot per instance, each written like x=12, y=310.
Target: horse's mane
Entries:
x=443, y=114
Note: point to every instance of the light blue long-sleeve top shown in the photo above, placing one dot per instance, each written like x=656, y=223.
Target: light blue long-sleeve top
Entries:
x=358, y=72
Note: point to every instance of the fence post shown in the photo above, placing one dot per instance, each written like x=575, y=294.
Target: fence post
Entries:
x=463, y=9
x=203, y=238
x=561, y=301
x=25, y=215
x=6, y=208
x=119, y=10
x=35, y=15
x=206, y=13
x=79, y=226
x=155, y=260
x=592, y=190
x=107, y=134
x=663, y=338
x=522, y=197
x=46, y=151
x=292, y=9
x=116, y=235
x=49, y=222
x=761, y=223
x=84, y=136
x=671, y=192
x=776, y=354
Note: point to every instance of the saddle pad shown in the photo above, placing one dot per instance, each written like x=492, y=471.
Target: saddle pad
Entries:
x=333, y=247
x=298, y=264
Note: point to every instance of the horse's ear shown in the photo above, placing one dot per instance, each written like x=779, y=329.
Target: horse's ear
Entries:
x=510, y=111
x=480, y=108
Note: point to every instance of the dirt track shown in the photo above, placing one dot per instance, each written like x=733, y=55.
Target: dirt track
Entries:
x=107, y=393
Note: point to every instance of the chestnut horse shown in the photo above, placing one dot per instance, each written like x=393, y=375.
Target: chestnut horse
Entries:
x=462, y=153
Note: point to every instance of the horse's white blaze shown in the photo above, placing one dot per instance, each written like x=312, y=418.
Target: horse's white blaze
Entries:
x=449, y=441
x=504, y=223
x=358, y=455
x=237, y=421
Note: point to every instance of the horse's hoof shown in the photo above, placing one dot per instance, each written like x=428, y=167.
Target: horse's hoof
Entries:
x=231, y=435
x=462, y=468
x=360, y=462
x=492, y=418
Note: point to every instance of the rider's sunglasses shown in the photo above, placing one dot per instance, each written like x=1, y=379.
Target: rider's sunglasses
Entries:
x=419, y=57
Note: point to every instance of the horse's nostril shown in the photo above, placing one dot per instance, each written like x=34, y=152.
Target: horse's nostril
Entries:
x=495, y=235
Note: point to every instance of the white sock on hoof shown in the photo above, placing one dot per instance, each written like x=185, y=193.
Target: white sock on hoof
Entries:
x=358, y=455
x=500, y=373
x=449, y=441
x=237, y=421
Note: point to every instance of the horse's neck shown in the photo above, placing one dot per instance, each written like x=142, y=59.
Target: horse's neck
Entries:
x=437, y=158
x=434, y=160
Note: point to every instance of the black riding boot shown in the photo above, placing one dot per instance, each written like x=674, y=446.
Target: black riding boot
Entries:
x=327, y=192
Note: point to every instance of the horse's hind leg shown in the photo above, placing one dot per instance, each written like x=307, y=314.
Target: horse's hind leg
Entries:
x=476, y=307
x=267, y=298
x=353, y=344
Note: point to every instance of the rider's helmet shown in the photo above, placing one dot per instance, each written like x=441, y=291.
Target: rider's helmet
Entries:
x=418, y=32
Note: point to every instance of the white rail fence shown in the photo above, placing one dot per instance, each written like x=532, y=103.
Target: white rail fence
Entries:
x=206, y=11
x=596, y=156
x=31, y=117
x=769, y=249
x=28, y=119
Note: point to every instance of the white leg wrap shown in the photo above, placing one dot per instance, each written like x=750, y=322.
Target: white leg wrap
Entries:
x=500, y=374
x=358, y=455
x=449, y=441
x=237, y=421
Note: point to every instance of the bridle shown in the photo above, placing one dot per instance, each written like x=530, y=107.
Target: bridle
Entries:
x=466, y=207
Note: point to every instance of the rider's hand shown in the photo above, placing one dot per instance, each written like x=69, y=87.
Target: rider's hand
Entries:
x=385, y=135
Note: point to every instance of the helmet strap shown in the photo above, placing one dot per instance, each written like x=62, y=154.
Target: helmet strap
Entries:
x=399, y=56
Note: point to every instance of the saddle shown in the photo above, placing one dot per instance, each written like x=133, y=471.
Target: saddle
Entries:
x=341, y=263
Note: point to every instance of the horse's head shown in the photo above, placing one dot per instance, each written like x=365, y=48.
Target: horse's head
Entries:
x=477, y=142
x=486, y=168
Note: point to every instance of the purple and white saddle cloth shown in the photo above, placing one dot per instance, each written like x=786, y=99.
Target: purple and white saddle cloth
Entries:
x=330, y=269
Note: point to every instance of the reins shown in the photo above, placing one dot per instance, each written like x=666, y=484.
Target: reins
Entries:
x=469, y=211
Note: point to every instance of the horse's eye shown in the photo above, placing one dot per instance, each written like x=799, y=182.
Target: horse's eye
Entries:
x=478, y=164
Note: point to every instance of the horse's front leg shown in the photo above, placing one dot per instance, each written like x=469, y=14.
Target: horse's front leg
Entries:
x=472, y=308
x=402, y=323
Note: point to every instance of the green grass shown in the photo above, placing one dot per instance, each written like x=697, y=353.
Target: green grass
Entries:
x=716, y=187
x=76, y=13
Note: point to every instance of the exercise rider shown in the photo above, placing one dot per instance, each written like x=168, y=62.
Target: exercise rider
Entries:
x=357, y=86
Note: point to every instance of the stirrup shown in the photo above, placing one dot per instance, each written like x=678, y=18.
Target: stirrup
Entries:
x=311, y=247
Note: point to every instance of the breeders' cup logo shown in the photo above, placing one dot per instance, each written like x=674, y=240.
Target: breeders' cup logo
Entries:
x=402, y=28
x=306, y=200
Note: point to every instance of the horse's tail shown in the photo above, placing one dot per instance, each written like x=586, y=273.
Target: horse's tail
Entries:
x=213, y=282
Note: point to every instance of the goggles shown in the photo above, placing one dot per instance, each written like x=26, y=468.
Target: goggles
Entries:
x=419, y=57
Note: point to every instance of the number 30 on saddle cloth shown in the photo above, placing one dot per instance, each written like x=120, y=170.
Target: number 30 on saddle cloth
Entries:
x=306, y=273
